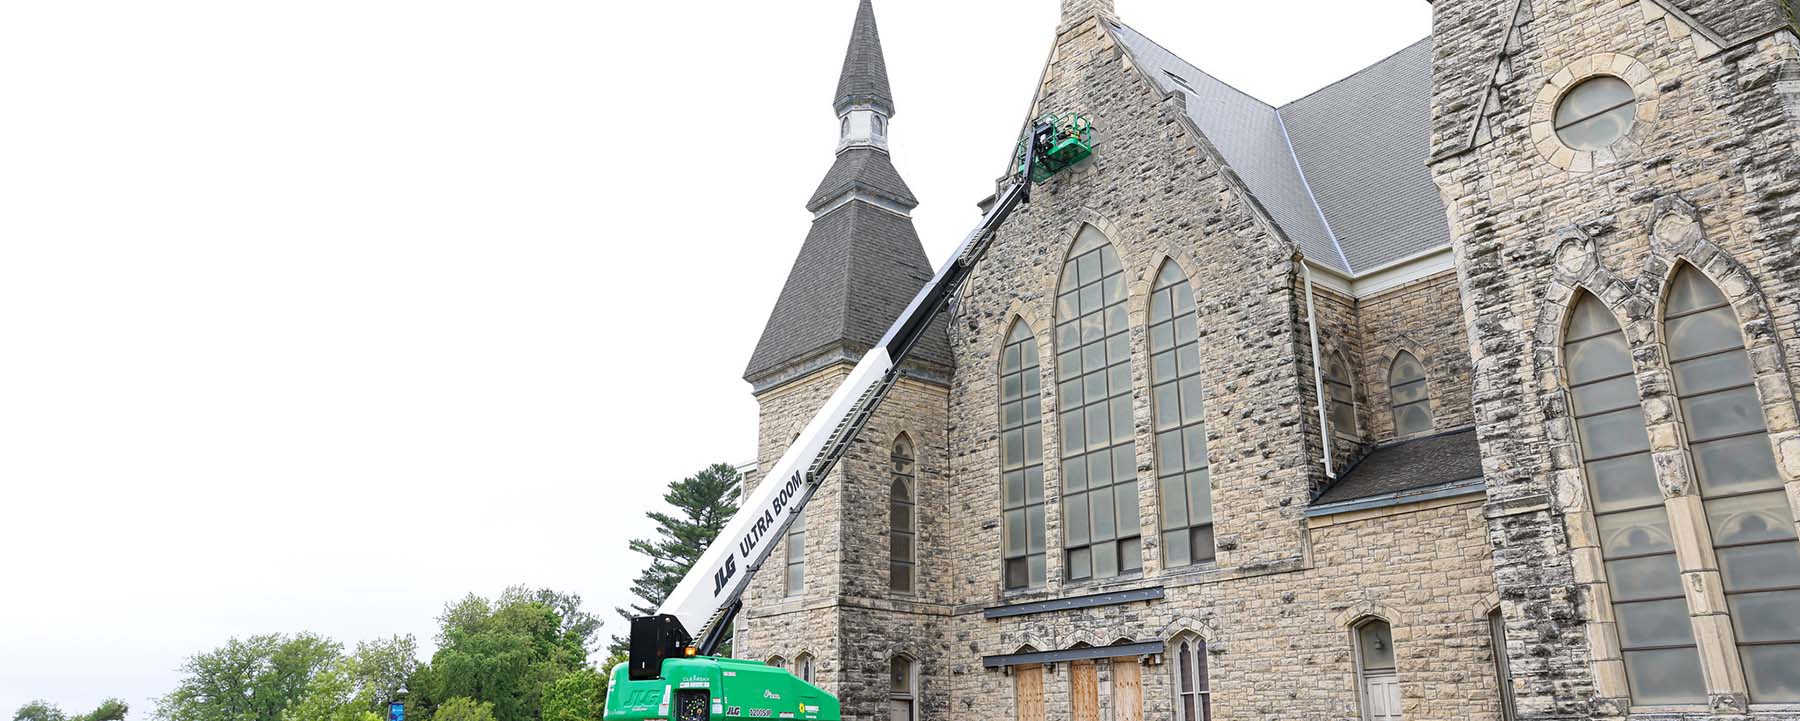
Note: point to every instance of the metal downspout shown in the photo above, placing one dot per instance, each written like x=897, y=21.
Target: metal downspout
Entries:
x=1312, y=322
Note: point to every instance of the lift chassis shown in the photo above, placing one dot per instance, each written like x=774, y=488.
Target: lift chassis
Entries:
x=671, y=672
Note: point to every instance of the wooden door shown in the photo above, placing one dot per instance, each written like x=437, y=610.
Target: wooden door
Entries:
x=1382, y=693
x=1127, y=690
x=1028, y=684
x=1084, y=691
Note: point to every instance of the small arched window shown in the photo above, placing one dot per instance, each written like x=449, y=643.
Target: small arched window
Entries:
x=1021, y=461
x=902, y=506
x=1342, y=395
x=1192, y=689
x=844, y=127
x=803, y=667
x=903, y=689
x=1410, y=395
x=1662, y=664
x=1747, y=508
x=1183, y=477
x=880, y=126
x=1101, y=534
x=777, y=662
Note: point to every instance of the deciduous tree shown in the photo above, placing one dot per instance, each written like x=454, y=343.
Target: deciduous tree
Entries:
x=253, y=679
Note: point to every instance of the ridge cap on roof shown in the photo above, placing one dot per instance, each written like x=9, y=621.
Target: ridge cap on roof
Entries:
x=1198, y=69
x=1351, y=76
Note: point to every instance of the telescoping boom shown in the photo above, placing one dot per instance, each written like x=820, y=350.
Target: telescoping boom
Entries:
x=706, y=601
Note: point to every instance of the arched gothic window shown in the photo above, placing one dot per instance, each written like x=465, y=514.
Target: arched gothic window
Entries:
x=1410, y=395
x=1662, y=663
x=1180, y=422
x=1193, y=692
x=803, y=667
x=1747, y=509
x=1099, y=453
x=1502, y=665
x=902, y=506
x=1342, y=395
x=1021, y=461
x=903, y=689
x=777, y=662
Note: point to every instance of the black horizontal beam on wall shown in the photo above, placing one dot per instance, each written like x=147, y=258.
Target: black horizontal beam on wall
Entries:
x=1072, y=654
x=1074, y=603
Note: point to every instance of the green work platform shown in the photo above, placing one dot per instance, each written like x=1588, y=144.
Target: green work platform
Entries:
x=1070, y=140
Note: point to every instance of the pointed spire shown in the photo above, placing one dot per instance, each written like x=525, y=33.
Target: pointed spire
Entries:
x=865, y=79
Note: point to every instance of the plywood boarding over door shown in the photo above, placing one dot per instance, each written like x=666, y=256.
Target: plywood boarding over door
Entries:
x=1127, y=690
x=1028, y=684
x=1084, y=691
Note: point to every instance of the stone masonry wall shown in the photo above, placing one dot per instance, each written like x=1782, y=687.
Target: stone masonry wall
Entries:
x=846, y=618
x=1711, y=134
x=1423, y=317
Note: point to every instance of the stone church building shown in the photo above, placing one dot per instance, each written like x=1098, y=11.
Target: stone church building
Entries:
x=1459, y=389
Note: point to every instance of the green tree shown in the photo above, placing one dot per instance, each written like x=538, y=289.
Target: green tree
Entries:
x=111, y=709
x=254, y=679
x=704, y=503
x=579, y=696
x=575, y=620
x=39, y=711
x=505, y=654
x=464, y=709
x=332, y=696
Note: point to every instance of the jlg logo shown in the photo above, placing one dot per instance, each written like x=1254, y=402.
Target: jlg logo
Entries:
x=723, y=575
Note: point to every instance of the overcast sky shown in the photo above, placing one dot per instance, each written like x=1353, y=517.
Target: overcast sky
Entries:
x=318, y=315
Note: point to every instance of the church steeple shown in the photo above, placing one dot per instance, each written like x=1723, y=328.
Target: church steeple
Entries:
x=864, y=102
x=862, y=263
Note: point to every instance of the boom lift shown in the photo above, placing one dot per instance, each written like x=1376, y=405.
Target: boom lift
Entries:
x=670, y=676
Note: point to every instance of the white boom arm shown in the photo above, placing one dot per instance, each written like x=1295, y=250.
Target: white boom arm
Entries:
x=708, y=596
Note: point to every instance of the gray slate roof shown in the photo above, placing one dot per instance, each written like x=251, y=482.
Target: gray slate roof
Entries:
x=1341, y=171
x=858, y=269
x=865, y=78
x=1408, y=465
x=866, y=170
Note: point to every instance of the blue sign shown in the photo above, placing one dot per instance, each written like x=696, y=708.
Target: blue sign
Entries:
x=396, y=711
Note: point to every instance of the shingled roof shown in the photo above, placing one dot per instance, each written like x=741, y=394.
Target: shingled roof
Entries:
x=862, y=262
x=1341, y=171
x=864, y=80
x=1409, y=465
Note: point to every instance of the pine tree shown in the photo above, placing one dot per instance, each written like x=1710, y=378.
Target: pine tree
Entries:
x=704, y=503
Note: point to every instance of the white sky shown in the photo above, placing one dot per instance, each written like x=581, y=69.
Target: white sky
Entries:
x=318, y=315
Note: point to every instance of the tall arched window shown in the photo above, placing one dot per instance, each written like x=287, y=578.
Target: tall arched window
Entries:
x=796, y=556
x=803, y=667
x=1502, y=664
x=1747, y=509
x=1180, y=422
x=1662, y=664
x=1021, y=461
x=1193, y=693
x=1099, y=454
x=903, y=689
x=1343, y=395
x=1410, y=395
x=902, y=534
x=1375, y=668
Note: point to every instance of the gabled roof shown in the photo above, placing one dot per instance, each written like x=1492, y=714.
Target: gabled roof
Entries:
x=1341, y=171
x=857, y=271
x=864, y=79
